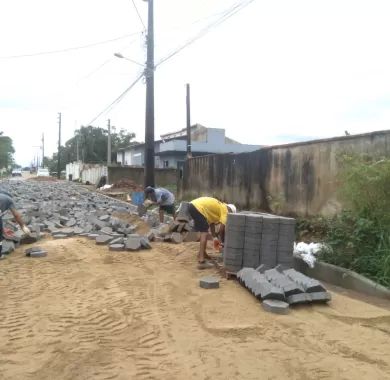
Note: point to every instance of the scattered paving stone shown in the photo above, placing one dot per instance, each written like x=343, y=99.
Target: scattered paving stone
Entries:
x=133, y=244
x=118, y=240
x=106, y=230
x=67, y=231
x=35, y=252
x=71, y=223
x=191, y=236
x=64, y=220
x=78, y=230
x=59, y=236
x=103, y=239
x=104, y=218
x=274, y=306
x=29, y=239
x=209, y=282
x=116, y=247
x=145, y=243
x=8, y=247
x=176, y=237
x=150, y=235
x=93, y=236
x=38, y=254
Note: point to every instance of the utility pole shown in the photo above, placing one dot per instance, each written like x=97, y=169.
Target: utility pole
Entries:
x=43, y=148
x=77, y=148
x=149, y=115
x=59, y=146
x=109, y=142
x=188, y=104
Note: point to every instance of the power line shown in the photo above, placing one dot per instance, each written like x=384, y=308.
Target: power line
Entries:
x=65, y=50
x=224, y=16
x=118, y=99
x=139, y=16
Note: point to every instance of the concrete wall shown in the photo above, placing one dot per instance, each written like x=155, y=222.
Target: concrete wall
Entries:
x=85, y=172
x=163, y=177
x=298, y=179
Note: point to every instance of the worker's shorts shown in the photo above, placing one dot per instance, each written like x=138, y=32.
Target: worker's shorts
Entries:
x=200, y=222
x=169, y=209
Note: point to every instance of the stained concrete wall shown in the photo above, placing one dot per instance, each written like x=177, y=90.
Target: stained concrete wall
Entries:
x=296, y=179
x=163, y=177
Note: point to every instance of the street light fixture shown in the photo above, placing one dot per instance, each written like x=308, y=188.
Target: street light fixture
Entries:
x=120, y=55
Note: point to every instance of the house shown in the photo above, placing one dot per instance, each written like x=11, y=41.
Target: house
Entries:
x=171, y=149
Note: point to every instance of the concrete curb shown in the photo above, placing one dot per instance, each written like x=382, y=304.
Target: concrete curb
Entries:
x=345, y=278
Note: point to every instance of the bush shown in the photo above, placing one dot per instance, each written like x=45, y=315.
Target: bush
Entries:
x=360, y=235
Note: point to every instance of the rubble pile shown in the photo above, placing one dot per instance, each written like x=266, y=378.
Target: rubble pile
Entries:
x=64, y=209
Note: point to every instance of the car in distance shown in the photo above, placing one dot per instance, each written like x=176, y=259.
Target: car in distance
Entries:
x=16, y=173
x=43, y=172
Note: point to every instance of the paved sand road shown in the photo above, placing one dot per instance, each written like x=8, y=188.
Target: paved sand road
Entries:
x=85, y=313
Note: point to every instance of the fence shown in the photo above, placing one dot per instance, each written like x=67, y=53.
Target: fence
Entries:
x=295, y=179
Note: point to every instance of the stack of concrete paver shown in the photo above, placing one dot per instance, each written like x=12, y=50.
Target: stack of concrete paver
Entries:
x=253, y=239
x=282, y=287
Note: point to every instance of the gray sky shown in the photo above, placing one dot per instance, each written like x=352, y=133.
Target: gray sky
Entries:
x=278, y=71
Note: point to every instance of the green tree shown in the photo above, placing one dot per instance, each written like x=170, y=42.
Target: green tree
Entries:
x=6, y=151
x=92, y=144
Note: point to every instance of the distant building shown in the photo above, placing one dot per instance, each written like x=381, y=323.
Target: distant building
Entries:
x=171, y=149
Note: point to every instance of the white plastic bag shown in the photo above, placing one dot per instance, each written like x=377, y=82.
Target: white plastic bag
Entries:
x=308, y=252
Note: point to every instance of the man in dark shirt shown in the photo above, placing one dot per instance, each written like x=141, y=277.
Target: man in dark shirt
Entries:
x=6, y=203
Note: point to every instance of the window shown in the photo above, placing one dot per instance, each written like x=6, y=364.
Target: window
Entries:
x=166, y=164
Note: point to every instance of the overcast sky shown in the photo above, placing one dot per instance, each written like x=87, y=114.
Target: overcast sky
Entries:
x=277, y=71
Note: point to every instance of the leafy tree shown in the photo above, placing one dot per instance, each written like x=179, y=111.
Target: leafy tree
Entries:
x=6, y=151
x=92, y=144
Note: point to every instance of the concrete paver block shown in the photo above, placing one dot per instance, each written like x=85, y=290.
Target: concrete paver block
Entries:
x=320, y=297
x=38, y=254
x=176, y=238
x=275, y=306
x=280, y=280
x=116, y=247
x=93, y=236
x=78, y=230
x=310, y=285
x=191, y=236
x=103, y=239
x=298, y=299
x=118, y=240
x=145, y=243
x=71, y=223
x=8, y=247
x=29, y=239
x=59, y=236
x=209, y=282
x=133, y=244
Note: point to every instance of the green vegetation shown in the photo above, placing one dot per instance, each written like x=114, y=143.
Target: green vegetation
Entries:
x=360, y=235
x=91, y=143
x=6, y=151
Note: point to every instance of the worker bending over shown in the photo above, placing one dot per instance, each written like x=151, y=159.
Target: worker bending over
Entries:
x=161, y=197
x=6, y=203
x=206, y=212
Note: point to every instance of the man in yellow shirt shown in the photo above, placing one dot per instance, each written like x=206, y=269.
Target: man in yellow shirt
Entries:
x=206, y=212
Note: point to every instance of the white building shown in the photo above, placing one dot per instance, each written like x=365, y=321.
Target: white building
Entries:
x=171, y=150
